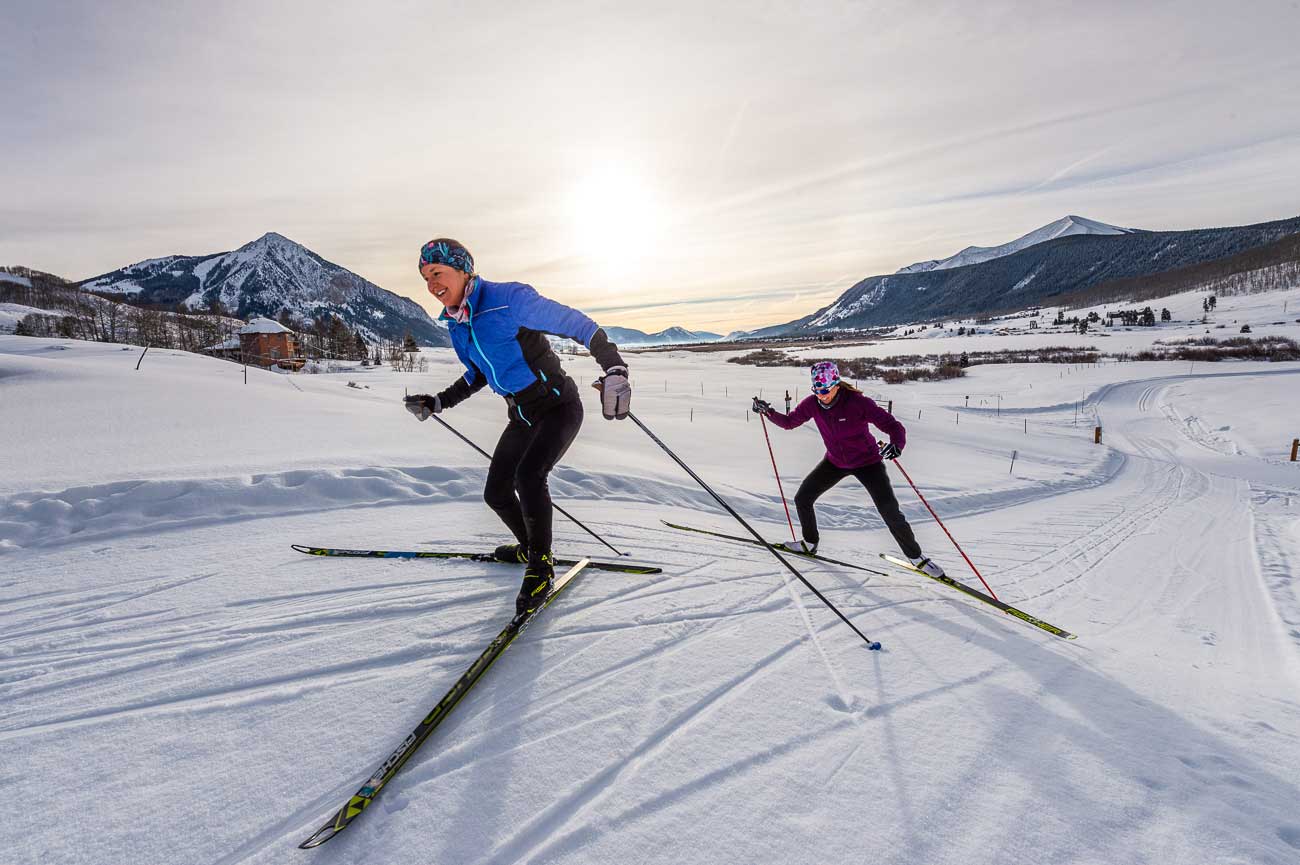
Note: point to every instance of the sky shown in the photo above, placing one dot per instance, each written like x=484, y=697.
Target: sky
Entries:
x=714, y=165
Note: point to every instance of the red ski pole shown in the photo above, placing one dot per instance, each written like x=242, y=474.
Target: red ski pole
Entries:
x=762, y=421
x=945, y=529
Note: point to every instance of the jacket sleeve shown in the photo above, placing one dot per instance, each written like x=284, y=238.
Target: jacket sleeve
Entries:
x=535, y=312
x=801, y=415
x=604, y=351
x=886, y=422
x=463, y=388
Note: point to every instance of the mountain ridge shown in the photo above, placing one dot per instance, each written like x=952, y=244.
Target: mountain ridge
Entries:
x=265, y=277
x=1063, y=266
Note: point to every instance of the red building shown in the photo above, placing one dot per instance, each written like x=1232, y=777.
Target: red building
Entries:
x=265, y=342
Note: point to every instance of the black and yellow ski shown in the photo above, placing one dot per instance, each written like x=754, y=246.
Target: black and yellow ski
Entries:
x=783, y=549
x=980, y=596
x=369, y=790
x=617, y=567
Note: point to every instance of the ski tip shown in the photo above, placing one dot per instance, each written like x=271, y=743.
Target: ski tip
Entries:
x=875, y=647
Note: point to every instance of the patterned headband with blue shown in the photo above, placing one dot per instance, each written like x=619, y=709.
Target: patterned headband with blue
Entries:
x=448, y=252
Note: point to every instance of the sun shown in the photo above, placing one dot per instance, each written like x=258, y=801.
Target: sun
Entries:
x=617, y=220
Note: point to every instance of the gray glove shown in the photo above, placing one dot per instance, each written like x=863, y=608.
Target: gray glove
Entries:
x=761, y=406
x=890, y=451
x=615, y=393
x=422, y=405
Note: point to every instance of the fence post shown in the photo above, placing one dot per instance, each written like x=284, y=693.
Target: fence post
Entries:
x=692, y=415
x=1026, y=426
x=1295, y=446
x=1013, y=462
x=891, y=407
x=1096, y=435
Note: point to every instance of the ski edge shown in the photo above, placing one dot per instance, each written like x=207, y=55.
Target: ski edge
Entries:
x=360, y=800
x=1014, y=612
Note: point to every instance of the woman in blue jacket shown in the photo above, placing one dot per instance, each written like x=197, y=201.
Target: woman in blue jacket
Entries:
x=498, y=331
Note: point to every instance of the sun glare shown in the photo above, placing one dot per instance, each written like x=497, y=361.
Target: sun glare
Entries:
x=618, y=221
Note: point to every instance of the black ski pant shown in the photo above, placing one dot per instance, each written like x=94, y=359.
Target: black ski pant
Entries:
x=517, y=486
x=826, y=475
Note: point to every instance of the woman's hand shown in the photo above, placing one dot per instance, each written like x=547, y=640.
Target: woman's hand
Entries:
x=422, y=405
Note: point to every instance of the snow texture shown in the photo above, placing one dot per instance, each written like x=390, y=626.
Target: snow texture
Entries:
x=178, y=686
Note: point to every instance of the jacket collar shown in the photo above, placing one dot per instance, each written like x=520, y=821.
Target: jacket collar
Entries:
x=465, y=310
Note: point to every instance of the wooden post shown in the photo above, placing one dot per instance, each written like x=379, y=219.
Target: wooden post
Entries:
x=1295, y=446
x=1026, y=426
x=1096, y=435
x=1013, y=462
x=891, y=407
x=692, y=415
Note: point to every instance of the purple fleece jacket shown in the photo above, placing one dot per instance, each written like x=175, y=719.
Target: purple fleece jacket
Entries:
x=849, y=442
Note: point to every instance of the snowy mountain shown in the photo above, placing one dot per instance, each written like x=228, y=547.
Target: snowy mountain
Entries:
x=1064, y=227
x=668, y=336
x=1040, y=273
x=265, y=277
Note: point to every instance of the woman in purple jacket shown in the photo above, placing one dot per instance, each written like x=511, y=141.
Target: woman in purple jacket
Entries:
x=842, y=414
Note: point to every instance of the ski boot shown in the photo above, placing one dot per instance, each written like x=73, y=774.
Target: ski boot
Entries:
x=926, y=565
x=802, y=548
x=537, y=583
x=515, y=554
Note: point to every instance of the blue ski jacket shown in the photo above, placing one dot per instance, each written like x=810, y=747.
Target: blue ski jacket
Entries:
x=502, y=344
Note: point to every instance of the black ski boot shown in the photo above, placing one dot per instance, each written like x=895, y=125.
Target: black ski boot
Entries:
x=537, y=583
x=512, y=553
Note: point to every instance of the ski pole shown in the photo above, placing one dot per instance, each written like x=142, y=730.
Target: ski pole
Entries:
x=945, y=529
x=763, y=423
x=871, y=644
x=575, y=520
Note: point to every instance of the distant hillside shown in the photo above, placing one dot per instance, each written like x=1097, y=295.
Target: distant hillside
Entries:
x=669, y=336
x=1045, y=273
x=1067, y=226
x=268, y=277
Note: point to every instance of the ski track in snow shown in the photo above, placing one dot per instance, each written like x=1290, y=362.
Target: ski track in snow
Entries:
x=682, y=717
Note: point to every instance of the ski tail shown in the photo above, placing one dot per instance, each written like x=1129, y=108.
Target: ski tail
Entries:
x=987, y=599
x=335, y=552
x=815, y=557
x=360, y=800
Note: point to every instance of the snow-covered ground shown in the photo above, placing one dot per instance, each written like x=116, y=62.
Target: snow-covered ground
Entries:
x=12, y=313
x=178, y=686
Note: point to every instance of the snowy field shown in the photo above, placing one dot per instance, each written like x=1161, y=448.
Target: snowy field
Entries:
x=178, y=686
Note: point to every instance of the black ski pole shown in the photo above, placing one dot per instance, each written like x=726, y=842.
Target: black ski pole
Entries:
x=458, y=435
x=871, y=644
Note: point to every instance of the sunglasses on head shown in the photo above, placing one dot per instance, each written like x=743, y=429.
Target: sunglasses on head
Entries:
x=823, y=389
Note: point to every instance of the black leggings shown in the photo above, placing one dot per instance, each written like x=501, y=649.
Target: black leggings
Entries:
x=516, y=480
x=876, y=480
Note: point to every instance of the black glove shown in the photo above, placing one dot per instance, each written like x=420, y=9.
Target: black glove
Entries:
x=761, y=406
x=615, y=393
x=890, y=451
x=422, y=405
